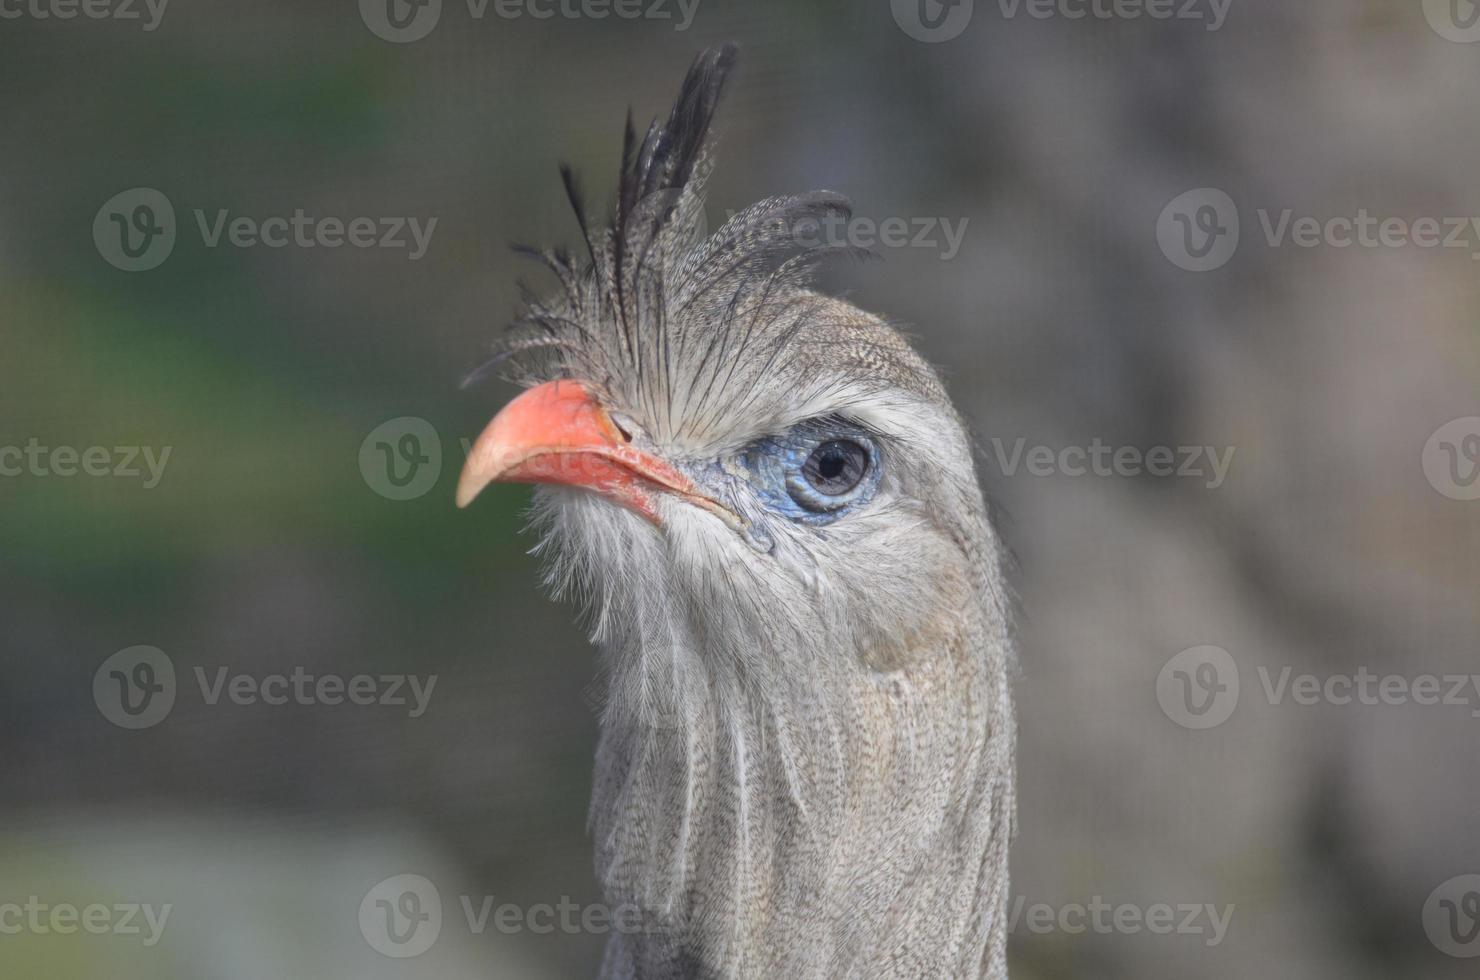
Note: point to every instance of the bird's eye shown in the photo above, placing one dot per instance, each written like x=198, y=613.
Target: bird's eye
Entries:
x=836, y=467
x=835, y=474
x=815, y=473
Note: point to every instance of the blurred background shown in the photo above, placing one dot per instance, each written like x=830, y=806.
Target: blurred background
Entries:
x=228, y=453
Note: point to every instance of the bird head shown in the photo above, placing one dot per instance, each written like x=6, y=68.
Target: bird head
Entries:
x=767, y=500
x=733, y=467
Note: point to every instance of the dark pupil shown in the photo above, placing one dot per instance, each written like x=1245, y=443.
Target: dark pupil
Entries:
x=836, y=467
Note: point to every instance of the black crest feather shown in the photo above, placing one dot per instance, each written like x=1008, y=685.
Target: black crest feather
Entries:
x=668, y=320
x=666, y=160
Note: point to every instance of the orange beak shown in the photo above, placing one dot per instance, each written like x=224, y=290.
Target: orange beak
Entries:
x=557, y=433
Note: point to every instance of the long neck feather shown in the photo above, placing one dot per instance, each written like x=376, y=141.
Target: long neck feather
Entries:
x=774, y=820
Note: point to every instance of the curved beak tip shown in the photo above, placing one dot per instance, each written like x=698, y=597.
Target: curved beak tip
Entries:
x=468, y=489
x=487, y=462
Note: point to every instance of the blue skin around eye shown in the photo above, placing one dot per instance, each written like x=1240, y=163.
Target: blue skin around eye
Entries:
x=774, y=471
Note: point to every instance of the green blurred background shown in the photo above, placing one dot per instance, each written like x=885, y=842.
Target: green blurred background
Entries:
x=266, y=547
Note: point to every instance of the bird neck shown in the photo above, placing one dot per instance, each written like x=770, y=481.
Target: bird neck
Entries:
x=772, y=820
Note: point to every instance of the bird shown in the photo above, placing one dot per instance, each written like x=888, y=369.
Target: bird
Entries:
x=768, y=509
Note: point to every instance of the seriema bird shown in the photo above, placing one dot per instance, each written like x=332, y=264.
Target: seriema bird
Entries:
x=805, y=766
